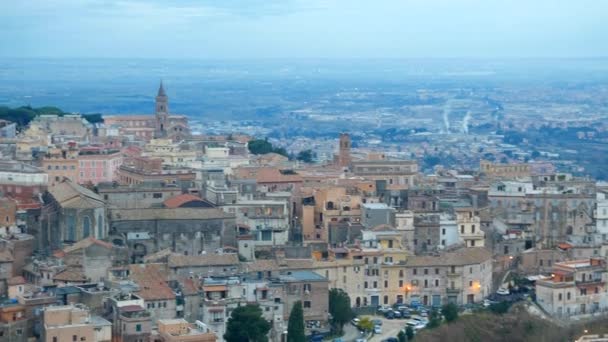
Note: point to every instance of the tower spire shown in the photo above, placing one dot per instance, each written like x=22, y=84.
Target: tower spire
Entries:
x=161, y=89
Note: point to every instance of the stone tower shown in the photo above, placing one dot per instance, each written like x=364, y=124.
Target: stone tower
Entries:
x=162, y=112
x=344, y=151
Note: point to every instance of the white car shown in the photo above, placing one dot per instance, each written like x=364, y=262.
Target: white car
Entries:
x=355, y=321
x=416, y=324
x=503, y=292
x=377, y=329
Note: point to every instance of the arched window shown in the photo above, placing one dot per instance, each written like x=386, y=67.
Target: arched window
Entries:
x=99, y=227
x=71, y=229
x=86, y=227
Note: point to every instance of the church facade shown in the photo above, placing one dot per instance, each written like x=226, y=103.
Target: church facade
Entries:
x=146, y=127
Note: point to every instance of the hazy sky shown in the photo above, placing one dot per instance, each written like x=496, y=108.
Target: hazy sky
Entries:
x=303, y=28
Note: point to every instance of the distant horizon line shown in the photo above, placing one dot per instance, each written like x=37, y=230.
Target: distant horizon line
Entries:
x=510, y=58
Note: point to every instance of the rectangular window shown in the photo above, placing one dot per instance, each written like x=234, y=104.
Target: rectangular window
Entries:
x=426, y=271
x=415, y=271
x=307, y=304
x=436, y=282
x=157, y=195
x=138, y=327
x=74, y=338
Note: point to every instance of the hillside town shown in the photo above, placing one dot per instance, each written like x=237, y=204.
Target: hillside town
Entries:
x=138, y=229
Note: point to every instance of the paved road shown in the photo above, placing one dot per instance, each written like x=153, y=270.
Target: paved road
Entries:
x=390, y=328
x=351, y=333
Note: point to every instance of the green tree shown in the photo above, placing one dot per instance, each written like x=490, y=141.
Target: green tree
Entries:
x=339, y=309
x=295, y=327
x=500, y=308
x=306, y=156
x=366, y=324
x=409, y=332
x=535, y=154
x=260, y=146
x=434, y=319
x=450, y=312
x=246, y=324
x=401, y=336
x=263, y=146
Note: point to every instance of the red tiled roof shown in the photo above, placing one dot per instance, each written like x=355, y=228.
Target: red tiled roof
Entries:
x=179, y=200
x=152, y=281
x=85, y=243
x=564, y=245
x=189, y=287
x=131, y=308
x=19, y=280
x=70, y=275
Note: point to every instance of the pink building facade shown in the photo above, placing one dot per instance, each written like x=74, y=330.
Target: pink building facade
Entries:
x=98, y=167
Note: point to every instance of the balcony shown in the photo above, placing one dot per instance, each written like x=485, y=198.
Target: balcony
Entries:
x=453, y=290
x=451, y=274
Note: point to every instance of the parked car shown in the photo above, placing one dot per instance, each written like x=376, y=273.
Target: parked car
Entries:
x=390, y=339
x=396, y=314
x=389, y=314
x=406, y=314
x=355, y=321
x=487, y=303
x=503, y=291
x=377, y=329
x=384, y=308
x=377, y=322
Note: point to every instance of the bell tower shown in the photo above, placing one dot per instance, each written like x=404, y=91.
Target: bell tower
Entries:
x=162, y=112
x=344, y=150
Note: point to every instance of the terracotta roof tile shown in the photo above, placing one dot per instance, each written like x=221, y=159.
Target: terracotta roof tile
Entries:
x=19, y=280
x=85, y=243
x=71, y=275
x=180, y=200
x=152, y=281
x=178, y=260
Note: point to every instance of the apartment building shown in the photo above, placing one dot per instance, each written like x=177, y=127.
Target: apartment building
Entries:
x=576, y=288
x=461, y=277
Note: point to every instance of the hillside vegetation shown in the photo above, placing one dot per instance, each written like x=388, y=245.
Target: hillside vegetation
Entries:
x=514, y=326
x=23, y=115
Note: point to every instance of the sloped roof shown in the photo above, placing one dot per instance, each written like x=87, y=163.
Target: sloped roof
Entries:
x=168, y=214
x=84, y=243
x=72, y=195
x=178, y=260
x=19, y=280
x=152, y=281
x=71, y=275
x=182, y=199
x=460, y=257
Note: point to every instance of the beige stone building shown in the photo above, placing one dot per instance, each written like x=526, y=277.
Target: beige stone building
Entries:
x=179, y=330
x=462, y=277
x=469, y=227
x=576, y=287
x=507, y=171
x=330, y=205
x=74, y=323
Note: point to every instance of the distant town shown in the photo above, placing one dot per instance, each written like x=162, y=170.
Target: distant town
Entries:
x=160, y=227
